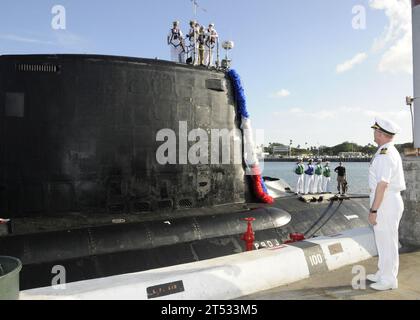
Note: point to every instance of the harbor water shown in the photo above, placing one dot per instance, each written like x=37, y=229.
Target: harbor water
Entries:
x=357, y=174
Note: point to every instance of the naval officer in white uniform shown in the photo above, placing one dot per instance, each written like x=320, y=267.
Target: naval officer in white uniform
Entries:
x=386, y=181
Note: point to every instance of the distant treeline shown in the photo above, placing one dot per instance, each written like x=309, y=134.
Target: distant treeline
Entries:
x=369, y=149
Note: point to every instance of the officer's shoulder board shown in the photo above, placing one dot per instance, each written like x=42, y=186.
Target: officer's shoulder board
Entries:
x=384, y=151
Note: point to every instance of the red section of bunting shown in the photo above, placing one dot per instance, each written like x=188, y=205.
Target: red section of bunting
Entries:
x=258, y=188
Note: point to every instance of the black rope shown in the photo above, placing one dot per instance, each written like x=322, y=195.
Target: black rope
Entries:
x=358, y=197
x=322, y=216
x=333, y=214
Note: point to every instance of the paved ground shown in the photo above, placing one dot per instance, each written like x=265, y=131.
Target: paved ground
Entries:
x=337, y=285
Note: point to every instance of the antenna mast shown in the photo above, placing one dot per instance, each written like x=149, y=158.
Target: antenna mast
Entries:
x=195, y=5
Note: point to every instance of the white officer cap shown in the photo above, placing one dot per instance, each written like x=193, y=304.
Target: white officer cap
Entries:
x=386, y=126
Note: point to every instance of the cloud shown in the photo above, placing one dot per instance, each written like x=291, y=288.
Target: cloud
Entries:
x=16, y=38
x=398, y=58
x=349, y=64
x=283, y=93
x=296, y=111
x=299, y=112
x=67, y=39
x=394, y=45
x=333, y=125
x=368, y=113
x=395, y=40
x=344, y=111
x=62, y=39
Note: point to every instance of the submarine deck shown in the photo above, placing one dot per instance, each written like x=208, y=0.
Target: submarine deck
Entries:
x=150, y=241
x=76, y=220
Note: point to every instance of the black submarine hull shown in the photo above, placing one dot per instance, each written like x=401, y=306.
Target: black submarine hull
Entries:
x=107, y=250
x=81, y=184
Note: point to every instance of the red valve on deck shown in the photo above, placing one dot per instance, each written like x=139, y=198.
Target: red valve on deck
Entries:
x=249, y=236
x=295, y=237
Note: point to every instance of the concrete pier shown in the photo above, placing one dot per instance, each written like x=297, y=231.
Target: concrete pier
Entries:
x=337, y=285
x=410, y=223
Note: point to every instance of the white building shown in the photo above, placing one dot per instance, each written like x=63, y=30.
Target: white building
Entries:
x=351, y=155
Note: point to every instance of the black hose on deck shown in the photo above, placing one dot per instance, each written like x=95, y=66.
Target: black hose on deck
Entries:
x=320, y=218
x=330, y=217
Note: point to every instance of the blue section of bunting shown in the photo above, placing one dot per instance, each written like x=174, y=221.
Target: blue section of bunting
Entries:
x=239, y=93
x=264, y=186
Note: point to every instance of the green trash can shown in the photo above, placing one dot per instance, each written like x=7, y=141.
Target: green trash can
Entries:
x=9, y=278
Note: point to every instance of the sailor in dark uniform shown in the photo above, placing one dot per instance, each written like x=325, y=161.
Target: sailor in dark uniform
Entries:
x=176, y=43
x=386, y=181
x=341, y=179
x=202, y=37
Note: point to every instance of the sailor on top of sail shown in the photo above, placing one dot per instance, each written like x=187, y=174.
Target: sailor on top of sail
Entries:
x=175, y=35
x=201, y=46
x=211, y=41
x=176, y=42
x=212, y=36
x=193, y=38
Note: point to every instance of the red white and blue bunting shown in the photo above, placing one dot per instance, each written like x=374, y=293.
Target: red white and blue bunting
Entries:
x=250, y=156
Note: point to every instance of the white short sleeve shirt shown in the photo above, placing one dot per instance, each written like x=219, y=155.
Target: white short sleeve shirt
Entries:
x=387, y=166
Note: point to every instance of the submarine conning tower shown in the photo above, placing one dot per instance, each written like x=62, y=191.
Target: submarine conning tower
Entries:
x=78, y=134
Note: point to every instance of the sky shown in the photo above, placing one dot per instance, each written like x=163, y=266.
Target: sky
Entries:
x=316, y=72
